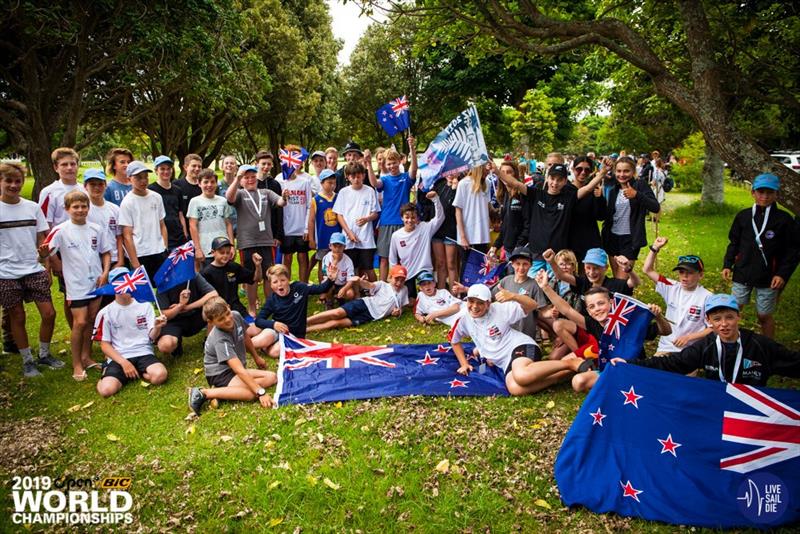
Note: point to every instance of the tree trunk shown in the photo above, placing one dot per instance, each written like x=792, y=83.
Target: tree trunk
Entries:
x=713, y=178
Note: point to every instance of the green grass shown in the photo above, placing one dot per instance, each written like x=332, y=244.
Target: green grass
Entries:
x=242, y=468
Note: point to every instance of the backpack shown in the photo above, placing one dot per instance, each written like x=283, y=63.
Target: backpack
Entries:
x=668, y=184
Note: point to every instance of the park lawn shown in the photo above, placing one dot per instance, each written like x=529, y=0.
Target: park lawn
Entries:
x=355, y=466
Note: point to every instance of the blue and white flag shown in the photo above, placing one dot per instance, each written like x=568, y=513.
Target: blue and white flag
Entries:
x=687, y=451
x=394, y=116
x=177, y=268
x=457, y=148
x=625, y=330
x=313, y=371
x=291, y=160
x=479, y=270
x=137, y=284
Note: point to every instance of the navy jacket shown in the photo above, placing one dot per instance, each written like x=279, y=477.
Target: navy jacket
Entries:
x=291, y=309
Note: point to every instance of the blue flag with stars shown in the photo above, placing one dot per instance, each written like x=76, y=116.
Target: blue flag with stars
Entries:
x=625, y=330
x=313, y=371
x=394, y=116
x=687, y=451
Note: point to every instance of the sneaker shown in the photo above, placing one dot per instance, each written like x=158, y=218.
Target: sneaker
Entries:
x=49, y=361
x=196, y=400
x=10, y=347
x=29, y=370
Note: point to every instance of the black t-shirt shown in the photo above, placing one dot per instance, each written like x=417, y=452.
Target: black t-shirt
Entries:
x=188, y=192
x=549, y=217
x=226, y=280
x=172, y=208
x=614, y=285
x=447, y=195
x=198, y=287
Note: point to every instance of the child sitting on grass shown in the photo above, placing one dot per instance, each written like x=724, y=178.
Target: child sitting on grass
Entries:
x=288, y=307
x=126, y=330
x=385, y=299
x=225, y=275
x=337, y=259
x=435, y=304
x=224, y=360
x=595, y=264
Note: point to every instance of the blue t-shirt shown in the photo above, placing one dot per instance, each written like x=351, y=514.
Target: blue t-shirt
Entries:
x=116, y=191
x=326, y=222
x=396, y=191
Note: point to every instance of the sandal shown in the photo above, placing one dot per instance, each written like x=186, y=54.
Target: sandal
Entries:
x=587, y=365
x=93, y=365
x=81, y=377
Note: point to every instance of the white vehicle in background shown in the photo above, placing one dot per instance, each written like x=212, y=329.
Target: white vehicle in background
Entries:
x=789, y=158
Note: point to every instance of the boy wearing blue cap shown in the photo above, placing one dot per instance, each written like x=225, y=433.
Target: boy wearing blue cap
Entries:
x=322, y=221
x=729, y=353
x=337, y=259
x=595, y=265
x=435, y=304
x=171, y=197
x=762, y=253
x=104, y=214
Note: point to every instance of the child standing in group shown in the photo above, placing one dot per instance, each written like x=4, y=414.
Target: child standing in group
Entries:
x=685, y=299
x=103, y=213
x=356, y=207
x=435, y=304
x=411, y=244
x=472, y=211
x=322, y=221
x=298, y=194
x=126, y=330
x=171, y=197
x=22, y=277
x=86, y=260
x=337, y=260
x=396, y=188
x=209, y=217
x=288, y=307
x=118, y=161
x=385, y=299
x=189, y=185
x=224, y=359
x=51, y=197
x=141, y=216
x=762, y=253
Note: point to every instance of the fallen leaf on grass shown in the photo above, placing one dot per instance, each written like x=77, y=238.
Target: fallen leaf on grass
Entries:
x=144, y=384
x=541, y=503
x=191, y=417
x=213, y=404
x=87, y=405
x=197, y=370
x=73, y=409
x=443, y=466
x=311, y=479
x=62, y=351
x=112, y=437
x=330, y=483
x=299, y=421
x=224, y=439
x=550, y=405
x=274, y=484
x=338, y=404
x=275, y=522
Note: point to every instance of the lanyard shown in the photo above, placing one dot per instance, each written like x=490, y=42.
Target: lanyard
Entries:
x=736, y=366
x=758, y=232
x=253, y=202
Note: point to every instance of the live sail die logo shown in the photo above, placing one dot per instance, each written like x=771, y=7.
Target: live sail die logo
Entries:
x=71, y=500
x=763, y=497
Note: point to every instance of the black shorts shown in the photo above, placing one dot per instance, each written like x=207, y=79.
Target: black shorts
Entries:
x=362, y=258
x=184, y=325
x=82, y=303
x=530, y=351
x=411, y=285
x=141, y=363
x=221, y=380
x=621, y=245
x=357, y=312
x=294, y=243
x=246, y=257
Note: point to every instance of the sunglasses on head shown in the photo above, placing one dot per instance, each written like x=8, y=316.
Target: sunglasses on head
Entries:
x=582, y=169
x=689, y=259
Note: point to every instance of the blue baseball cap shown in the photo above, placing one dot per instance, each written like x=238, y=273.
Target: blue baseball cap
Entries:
x=766, y=181
x=94, y=174
x=425, y=276
x=721, y=300
x=248, y=168
x=161, y=160
x=614, y=155
x=116, y=273
x=327, y=173
x=136, y=167
x=596, y=256
x=338, y=238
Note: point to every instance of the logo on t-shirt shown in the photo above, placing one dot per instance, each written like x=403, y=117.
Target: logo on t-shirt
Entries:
x=694, y=313
x=402, y=243
x=141, y=322
x=494, y=331
x=94, y=242
x=440, y=302
x=769, y=234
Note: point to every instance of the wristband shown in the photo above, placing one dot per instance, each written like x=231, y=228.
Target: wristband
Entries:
x=654, y=249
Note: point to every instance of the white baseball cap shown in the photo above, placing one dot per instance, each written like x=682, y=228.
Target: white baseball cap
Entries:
x=480, y=292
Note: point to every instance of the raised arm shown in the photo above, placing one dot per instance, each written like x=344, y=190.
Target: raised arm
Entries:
x=412, y=156
x=559, y=303
x=649, y=266
x=374, y=181
x=550, y=257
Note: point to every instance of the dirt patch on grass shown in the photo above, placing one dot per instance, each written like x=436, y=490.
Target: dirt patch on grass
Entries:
x=28, y=445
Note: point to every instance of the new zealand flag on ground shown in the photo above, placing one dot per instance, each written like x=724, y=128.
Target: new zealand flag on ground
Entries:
x=688, y=451
x=313, y=371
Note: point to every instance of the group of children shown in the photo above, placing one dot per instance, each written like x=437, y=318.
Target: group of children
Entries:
x=101, y=231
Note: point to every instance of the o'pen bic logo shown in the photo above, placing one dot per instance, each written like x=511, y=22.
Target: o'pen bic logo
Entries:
x=763, y=498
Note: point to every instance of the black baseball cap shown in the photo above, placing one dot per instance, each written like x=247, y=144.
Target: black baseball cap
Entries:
x=220, y=242
x=558, y=170
x=521, y=252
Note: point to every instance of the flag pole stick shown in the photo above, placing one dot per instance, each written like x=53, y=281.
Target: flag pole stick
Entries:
x=149, y=283
x=459, y=244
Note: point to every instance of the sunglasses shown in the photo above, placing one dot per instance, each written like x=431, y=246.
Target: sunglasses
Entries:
x=689, y=259
x=583, y=169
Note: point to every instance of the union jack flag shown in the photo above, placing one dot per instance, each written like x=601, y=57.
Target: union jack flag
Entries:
x=127, y=283
x=399, y=105
x=618, y=317
x=291, y=160
x=182, y=252
x=333, y=355
x=625, y=330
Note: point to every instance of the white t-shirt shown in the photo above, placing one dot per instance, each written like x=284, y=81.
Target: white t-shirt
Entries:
x=383, y=299
x=353, y=204
x=684, y=309
x=440, y=300
x=492, y=333
x=51, y=200
x=295, y=212
x=127, y=328
x=80, y=247
x=107, y=218
x=345, y=266
x=211, y=214
x=413, y=249
x=475, y=211
x=19, y=224
x=144, y=214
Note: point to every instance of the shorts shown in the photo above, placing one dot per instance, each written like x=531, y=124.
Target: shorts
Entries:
x=31, y=287
x=766, y=298
x=221, y=380
x=184, y=326
x=411, y=285
x=385, y=238
x=141, y=363
x=357, y=312
x=294, y=243
x=321, y=252
x=621, y=245
x=529, y=350
x=82, y=303
x=587, y=344
x=362, y=258
x=246, y=257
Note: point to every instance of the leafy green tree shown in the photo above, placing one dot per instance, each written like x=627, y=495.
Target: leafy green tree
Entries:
x=534, y=126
